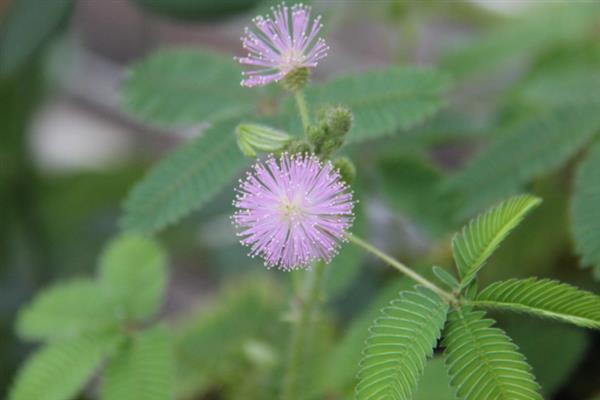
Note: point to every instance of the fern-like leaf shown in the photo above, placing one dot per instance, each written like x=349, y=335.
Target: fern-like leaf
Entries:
x=184, y=180
x=585, y=213
x=383, y=102
x=175, y=87
x=401, y=340
x=60, y=370
x=481, y=237
x=531, y=148
x=133, y=273
x=545, y=298
x=65, y=311
x=143, y=369
x=483, y=363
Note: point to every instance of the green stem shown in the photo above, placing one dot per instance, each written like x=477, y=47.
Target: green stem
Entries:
x=309, y=299
x=302, y=109
x=401, y=267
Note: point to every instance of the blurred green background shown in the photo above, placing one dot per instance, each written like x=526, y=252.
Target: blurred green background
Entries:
x=525, y=79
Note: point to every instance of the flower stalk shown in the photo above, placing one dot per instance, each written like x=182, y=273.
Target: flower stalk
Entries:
x=302, y=109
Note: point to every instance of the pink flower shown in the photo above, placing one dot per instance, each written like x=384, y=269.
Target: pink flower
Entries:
x=293, y=211
x=282, y=44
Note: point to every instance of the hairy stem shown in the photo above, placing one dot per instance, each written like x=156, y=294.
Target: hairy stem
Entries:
x=401, y=267
x=301, y=330
x=302, y=109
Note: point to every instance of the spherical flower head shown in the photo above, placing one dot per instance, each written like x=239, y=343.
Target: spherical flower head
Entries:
x=293, y=211
x=281, y=43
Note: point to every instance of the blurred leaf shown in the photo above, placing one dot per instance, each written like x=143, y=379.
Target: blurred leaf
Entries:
x=29, y=24
x=522, y=37
x=184, y=180
x=65, y=311
x=133, y=272
x=543, y=298
x=210, y=343
x=585, y=211
x=399, y=344
x=61, y=369
x=481, y=237
x=435, y=382
x=383, y=102
x=499, y=370
x=411, y=186
x=182, y=87
x=143, y=369
x=196, y=9
x=533, y=147
x=552, y=345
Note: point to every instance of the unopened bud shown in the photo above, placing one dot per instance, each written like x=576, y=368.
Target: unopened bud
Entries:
x=346, y=169
x=296, y=79
x=298, y=146
x=253, y=138
x=339, y=120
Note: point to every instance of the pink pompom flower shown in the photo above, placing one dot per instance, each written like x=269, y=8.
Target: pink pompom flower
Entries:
x=281, y=44
x=293, y=211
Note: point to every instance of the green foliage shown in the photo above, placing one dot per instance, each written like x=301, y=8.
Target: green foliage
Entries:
x=143, y=369
x=383, y=102
x=531, y=148
x=482, y=360
x=399, y=344
x=210, y=345
x=85, y=322
x=585, y=213
x=544, y=298
x=196, y=9
x=523, y=38
x=446, y=277
x=179, y=87
x=66, y=311
x=133, y=273
x=27, y=27
x=435, y=382
x=184, y=180
x=481, y=237
x=59, y=370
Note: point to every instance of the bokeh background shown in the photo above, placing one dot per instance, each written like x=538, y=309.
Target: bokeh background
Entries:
x=69, y=154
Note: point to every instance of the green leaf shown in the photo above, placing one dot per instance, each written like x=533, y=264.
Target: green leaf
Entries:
x=585, y=213
x=531, y=148
x=60, y=370
x=383, y=102
x=543, y=298
x=133, y=272
x=143, y=369
x=66, y=310
x=481, y=237
x=210, y=342
x=483, y=362
x=521, y=38
x=184, y=180
x=401, y=340
x=29, y=24
x=179, y=87
x=445, y=277
x=196, y=9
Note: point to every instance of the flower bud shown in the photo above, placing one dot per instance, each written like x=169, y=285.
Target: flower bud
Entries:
x=339, y=120
x=296, y=79
x=253, y=138
x=298, y=146
x=346, y=169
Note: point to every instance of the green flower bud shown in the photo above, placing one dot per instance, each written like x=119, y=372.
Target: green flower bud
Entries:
x=298, y=146
x=296, y=79
x=339, y=120
x=253, y=138
x=346, y=168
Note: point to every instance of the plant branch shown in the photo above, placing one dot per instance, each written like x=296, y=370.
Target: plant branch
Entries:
x=401, y=267
x=309, y=299
x=302, y=109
